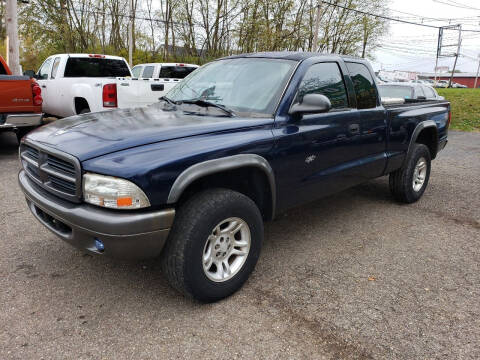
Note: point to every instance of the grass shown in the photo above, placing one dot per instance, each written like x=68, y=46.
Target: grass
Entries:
x=465, y=108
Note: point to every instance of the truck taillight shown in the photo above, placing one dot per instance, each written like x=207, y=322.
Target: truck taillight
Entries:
x=37, y=94
x=449, y=118
x=110, y=95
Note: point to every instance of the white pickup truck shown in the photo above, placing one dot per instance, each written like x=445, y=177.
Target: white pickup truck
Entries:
x=79, y=83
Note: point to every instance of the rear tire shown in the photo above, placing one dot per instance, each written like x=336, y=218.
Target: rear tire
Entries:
x=84, y=111
x=203, y=235
x=408, y=184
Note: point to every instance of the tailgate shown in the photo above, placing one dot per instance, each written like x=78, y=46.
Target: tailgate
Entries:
x=141, y=92
x=16, y=94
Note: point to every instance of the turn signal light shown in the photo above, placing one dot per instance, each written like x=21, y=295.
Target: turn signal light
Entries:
x=125, y=201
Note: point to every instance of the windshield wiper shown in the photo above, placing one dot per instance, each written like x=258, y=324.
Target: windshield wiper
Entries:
x=170, y=101
x=206, y=103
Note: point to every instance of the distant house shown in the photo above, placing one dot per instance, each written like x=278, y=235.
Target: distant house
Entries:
x=397, y=75
x=467, y=79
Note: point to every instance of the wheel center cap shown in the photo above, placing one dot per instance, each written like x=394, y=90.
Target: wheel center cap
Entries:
x=222, y=247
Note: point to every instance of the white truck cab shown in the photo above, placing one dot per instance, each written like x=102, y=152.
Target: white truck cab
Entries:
x=79, y=83
x=163, y=71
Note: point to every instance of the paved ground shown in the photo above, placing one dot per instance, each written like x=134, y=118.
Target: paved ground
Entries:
x=351, y=276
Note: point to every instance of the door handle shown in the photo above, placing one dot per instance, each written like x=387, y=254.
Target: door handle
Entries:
x=354, y=129
x=44, y=86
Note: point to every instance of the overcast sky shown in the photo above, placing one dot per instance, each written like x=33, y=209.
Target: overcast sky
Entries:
x=410, y=47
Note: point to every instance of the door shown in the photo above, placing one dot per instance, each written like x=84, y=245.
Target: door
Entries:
x=43, y=76
x=372, y=140
x=56, y=98
x=314, y=155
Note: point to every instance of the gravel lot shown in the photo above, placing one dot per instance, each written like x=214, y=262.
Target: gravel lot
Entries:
x=351, y=276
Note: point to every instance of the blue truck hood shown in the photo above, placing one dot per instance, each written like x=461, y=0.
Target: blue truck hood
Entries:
x=96, y=134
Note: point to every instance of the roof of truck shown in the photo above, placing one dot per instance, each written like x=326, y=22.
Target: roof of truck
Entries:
x=102, y=56
x=292, y=55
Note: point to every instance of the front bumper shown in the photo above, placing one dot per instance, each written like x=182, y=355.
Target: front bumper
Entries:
x=126, y=235
x=22, y=120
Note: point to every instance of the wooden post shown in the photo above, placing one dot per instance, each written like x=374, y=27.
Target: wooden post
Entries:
x=476, y=76
x=317, y=27
x=13, y=57
x=130, y=35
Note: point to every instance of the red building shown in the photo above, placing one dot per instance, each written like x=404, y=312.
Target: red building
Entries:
x=467, y=79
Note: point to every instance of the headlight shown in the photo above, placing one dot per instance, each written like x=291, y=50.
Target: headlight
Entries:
x=112, y=192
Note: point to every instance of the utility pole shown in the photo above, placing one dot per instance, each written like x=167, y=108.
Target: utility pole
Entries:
x=13, y=57
x=439, y=47
x=130, y=35
x=476, y=76
x=456, y=55
x=317, y=26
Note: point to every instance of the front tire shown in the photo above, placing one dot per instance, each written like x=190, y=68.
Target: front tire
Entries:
x=408, y=184
x=214, y=244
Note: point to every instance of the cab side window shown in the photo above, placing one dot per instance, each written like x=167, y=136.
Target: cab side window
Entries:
x=324, y=79
x=364, y=85
x=148, y=72
x=419, y=92
x=136, y=71
x=55, y=67
x=429, y=92
x=44, y=70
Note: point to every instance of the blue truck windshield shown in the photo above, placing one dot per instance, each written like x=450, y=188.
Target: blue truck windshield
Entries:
x=252, y=85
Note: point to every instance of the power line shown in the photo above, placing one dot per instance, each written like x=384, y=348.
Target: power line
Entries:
x=386, y=17
x=456, y=4
x=377, y=15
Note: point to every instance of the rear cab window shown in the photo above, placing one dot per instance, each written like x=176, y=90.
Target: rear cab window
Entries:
x=324, y=79
x=396, y=91
x=96, y=67
x=364, y=85
x=175, y=72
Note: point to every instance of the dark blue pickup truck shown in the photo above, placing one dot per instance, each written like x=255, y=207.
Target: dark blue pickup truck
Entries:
x=191, y=178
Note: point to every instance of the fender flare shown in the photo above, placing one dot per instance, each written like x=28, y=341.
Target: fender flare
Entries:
x=197, y=171
x=418, y=129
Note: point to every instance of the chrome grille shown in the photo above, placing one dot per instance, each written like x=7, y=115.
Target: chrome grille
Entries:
x=56, y=172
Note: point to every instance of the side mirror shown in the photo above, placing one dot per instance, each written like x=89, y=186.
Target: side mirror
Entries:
x=311, y=104
x=29, y=73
